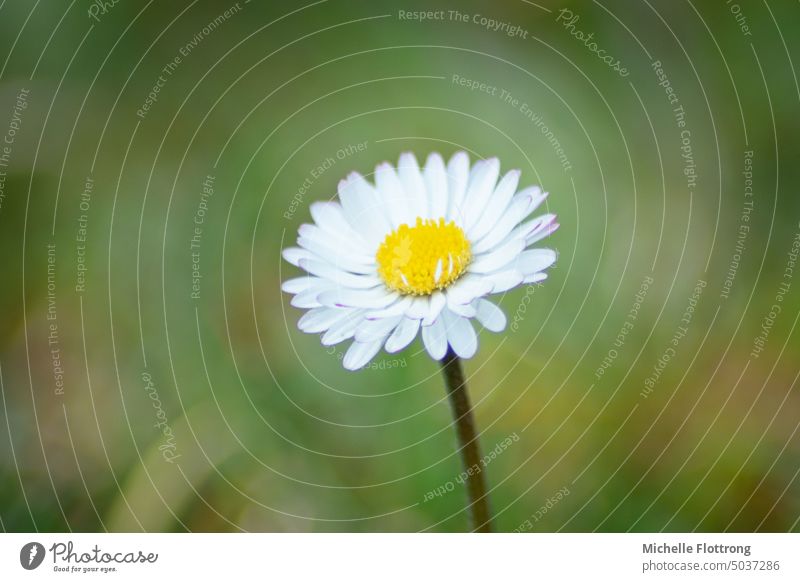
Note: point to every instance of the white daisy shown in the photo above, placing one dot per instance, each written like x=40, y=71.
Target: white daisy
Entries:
x=418, y=252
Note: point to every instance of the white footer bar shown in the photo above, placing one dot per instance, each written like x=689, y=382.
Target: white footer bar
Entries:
x=380, y=557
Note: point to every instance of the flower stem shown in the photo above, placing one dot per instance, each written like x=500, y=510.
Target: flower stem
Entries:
x=467, y=441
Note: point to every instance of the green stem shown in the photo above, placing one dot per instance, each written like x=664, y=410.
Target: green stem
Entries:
x=467, y=441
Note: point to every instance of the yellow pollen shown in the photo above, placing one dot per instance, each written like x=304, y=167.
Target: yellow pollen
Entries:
x=419, y=259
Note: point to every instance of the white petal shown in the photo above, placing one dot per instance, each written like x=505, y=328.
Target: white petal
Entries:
x=413, y=184
x=435, y=176
x=399, y=307
x=535, y=278
x=293, y=255
x=462, y=310
x=537, y=196
x=329, y=216
x=490, y=315
x=435, y=306
x=310, y=297
x=468, y=288
x=360, y=353
x=532, y=227
x=363, y=210
x=535, y=260
x=377, y=298
x=402, y=335
x=504, y=280
x=353, y=201
x=394, y=197
x=482, y=180
x=460, y=335
x=335, y=242
x=542, y=232
x=435, y=339
x=374, y=329
x=338, y=257
x=343, y=329
x=522, y=204
x=457, y=178
x=299, y=284
x=418, y=308
x=334, y=275
x=497, y=205
x=496, y=259
x=321, y=319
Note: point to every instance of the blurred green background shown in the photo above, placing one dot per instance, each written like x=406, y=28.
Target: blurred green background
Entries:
x=129, y=404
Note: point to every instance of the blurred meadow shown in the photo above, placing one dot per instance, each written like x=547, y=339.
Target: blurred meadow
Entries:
x=162, y=154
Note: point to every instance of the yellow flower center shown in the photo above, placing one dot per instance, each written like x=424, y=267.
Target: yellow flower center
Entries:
x=417, y=260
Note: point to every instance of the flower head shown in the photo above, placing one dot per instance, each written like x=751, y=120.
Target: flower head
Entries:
x=418, y=252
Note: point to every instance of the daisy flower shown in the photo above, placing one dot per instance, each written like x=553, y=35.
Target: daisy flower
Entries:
x=418, y=253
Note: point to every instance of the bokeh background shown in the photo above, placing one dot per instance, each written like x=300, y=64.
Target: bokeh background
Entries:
x=650, y=384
